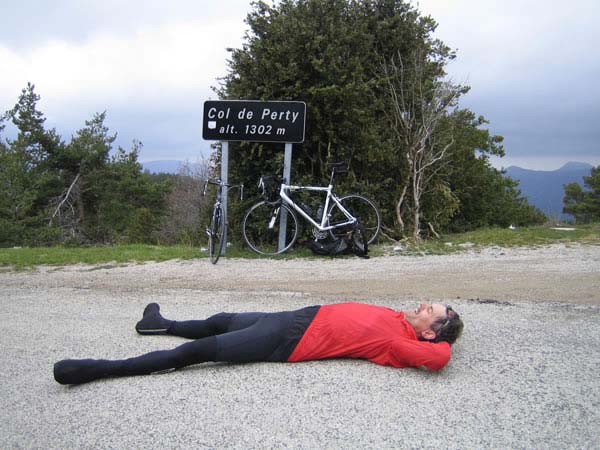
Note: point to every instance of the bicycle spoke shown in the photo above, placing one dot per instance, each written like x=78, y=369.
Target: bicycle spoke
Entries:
x=262, y=226
x=363, y=209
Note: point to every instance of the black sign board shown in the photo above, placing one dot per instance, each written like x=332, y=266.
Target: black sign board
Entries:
x=233, y=120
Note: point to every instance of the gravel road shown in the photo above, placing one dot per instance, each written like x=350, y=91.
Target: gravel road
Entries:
x=524, y=374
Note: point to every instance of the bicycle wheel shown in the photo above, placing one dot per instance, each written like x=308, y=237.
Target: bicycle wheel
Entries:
x=215, y=234
x=360, y=207
x=262, y=226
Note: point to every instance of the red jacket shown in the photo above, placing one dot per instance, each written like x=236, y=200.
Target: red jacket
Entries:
x=376, y=333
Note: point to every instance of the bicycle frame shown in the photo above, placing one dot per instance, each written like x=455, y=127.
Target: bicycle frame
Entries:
x=331, y=197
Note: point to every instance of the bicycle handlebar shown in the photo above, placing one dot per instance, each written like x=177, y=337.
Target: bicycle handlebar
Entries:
x=218, y=182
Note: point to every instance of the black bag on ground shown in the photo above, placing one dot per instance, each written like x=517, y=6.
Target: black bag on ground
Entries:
x=360, y=246
x=331, y=247
x=352, y=243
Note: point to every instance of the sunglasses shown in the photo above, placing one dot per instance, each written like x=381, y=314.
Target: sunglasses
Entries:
x=447, y=321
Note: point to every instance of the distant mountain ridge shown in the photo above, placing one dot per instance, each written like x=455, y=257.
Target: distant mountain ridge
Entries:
x=172, y=166
x=545, y=188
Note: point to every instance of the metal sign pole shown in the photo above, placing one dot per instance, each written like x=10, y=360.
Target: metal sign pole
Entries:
x=287, y=162
x=224, y=190
x=287, y=171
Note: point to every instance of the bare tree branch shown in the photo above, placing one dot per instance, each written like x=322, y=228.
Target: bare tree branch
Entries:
x=65, y=199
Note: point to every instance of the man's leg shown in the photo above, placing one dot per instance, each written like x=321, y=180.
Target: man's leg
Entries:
x=154, y=323
x=217, y=324
x=77, y=371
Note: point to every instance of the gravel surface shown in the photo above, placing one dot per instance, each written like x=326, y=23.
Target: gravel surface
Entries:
x=524, y=374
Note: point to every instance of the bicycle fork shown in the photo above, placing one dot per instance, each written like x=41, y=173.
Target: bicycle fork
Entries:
x=208, y=230
x=282, y=214
x=274, y=217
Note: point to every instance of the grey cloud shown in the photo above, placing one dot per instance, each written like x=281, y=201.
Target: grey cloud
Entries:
x=546, y=127
x=26, y=23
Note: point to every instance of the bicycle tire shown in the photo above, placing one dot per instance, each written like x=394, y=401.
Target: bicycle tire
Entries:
x=215, y=234
x=360, y=207
x=264, y=239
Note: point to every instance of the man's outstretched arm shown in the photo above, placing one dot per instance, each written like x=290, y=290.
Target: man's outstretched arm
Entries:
x=411, y=353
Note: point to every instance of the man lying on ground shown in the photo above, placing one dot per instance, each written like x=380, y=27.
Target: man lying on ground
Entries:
x=414, y=338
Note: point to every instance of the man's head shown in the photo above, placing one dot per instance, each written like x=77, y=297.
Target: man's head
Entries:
x=435, y=322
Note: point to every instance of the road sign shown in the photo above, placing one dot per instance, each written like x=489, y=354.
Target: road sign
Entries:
x=256, y=121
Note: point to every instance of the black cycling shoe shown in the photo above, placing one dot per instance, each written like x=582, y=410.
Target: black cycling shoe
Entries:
x=152, y=322
x=77, y=371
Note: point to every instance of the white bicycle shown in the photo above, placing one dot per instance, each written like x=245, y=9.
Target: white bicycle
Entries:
x=271, y=226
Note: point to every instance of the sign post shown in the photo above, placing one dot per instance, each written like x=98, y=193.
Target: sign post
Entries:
x=287, y=172
x=255, y=121
x=224, y=179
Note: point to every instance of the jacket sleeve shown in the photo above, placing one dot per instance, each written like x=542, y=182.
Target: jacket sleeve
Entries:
x=411, y=353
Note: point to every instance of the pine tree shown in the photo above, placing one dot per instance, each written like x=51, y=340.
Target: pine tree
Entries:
x=584, y=204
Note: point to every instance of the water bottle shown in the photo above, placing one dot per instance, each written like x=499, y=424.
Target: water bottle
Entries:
x=307, y=209
x=320, y=213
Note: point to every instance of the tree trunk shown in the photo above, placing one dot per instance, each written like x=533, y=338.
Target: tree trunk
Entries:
x=416, y=218
x=416, y=179
x=399, y=209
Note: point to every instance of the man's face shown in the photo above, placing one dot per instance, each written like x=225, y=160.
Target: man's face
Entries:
x=422, y=317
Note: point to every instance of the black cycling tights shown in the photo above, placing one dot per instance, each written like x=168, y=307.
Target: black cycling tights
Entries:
x=242, y=337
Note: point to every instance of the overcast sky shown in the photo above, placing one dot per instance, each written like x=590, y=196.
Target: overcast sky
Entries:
x=533, y=69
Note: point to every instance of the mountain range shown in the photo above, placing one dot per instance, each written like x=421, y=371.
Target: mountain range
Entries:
x=545, y=188
x=542, y=188
x=172, y=166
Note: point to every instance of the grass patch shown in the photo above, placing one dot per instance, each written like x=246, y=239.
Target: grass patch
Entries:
x=25, y=257
x=504, y=237
x=111, y=256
